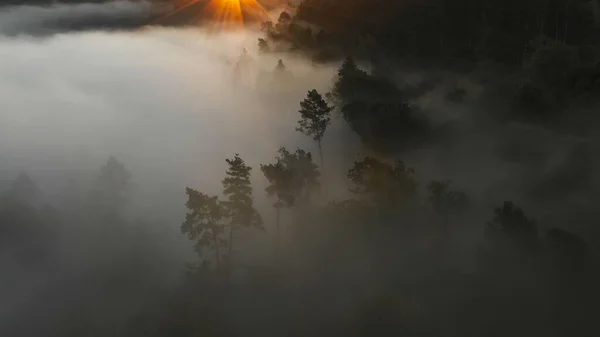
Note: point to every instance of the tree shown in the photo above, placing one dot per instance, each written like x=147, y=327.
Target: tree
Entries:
x=110, y=191
x=446, y=203
x=375, y=108
x=27, y=226
x=445, y=200
x=239, y=206
x=263, y=45
x=267, y=27
x=305, y=173
x=22, y=190
x=203, y=222
x=510, y=226
x=280, y=67
x=386, y=185
x=281, y=186
x=346, y=78
x=315, y=113
x=281, y=74
x=283, y=21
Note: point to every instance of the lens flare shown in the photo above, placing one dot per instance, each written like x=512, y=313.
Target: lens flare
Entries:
x=220, y=14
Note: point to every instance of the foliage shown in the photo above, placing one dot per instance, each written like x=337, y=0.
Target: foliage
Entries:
x=281, y=183
x=375, y=108
x=383, y=184
x=315, y=115
x=445, y=200
x=511, y=226
x=263, y=45
x=110, y=192
x=237, y=188
x=305, y=172
x=204, y=221
x=315, y=118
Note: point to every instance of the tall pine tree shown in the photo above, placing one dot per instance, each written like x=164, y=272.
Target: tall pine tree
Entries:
x=281, y=181
x=239, y=205
x=203, y=222
x=316, y=118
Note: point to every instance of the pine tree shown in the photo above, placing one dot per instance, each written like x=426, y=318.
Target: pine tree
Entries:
x=203, y=222
x=281, y=186
x=239, y=206
x=387, y=186
x=346, y=82
x=281, y=75
x=263, y=45
x=305, y=172
x=316, y=118
x=110, y=192
x=280, y=67
x=22, y=190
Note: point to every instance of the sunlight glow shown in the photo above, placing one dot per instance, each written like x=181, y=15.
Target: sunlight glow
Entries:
x=221, y=14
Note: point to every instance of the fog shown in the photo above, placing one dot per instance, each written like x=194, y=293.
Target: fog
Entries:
x=161, y=100
x=82, y=83
x=51, y=19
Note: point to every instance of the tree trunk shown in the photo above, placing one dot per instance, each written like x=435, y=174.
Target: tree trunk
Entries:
x=230, y=253
x=321, y=153
x=277, y=230
x=217, y=252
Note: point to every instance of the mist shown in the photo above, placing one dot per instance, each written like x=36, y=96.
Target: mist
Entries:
x=164, y=102
x=61, y=17
x=87, y=90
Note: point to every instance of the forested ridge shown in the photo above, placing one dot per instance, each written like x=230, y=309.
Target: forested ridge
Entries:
x=402, y=254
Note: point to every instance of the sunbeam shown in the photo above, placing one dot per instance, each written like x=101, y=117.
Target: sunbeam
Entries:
x=219, y=14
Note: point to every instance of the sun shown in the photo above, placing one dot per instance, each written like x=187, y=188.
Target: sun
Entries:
x=217, y=13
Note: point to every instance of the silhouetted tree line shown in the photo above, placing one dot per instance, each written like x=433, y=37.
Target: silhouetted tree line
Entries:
x=438, y=29
x=393, y=258
x=94, y=264
x=398, y=248
x=390, y=259
x=550, y=46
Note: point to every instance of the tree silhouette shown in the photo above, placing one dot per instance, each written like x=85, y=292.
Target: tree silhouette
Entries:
x=384, y=184
x=22, y=190
x=281, y=74
x=445, y=200
x=110, y=192
x=280, y=67
x=347, y=76
x=305, y=173
x=203, y=222
x=263, y=45
x=267, y=27
x=315, y=113
x=283, y=22
x=511, y=226
x=239, y=206
x=447, y=204
x=281, y=185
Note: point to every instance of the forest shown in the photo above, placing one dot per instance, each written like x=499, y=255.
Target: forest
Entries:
x=406, y=249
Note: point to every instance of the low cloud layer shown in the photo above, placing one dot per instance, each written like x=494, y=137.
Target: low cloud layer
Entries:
x=164, y=101
x=55, y=18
